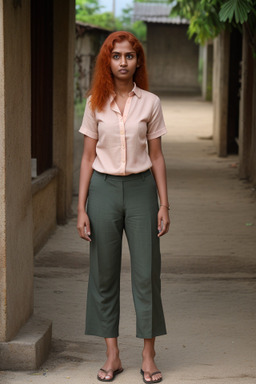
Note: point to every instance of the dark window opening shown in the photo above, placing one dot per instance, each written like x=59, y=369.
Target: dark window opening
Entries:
x=42, y=83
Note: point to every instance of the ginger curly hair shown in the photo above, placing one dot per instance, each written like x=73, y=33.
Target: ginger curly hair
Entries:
x=102, y=82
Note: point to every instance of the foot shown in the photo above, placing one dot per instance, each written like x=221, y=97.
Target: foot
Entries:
x=108, y=375
x=112, y=367
x=150, y=372
x=149, y=377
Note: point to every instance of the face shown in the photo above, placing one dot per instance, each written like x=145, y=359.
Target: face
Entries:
x=123, y=61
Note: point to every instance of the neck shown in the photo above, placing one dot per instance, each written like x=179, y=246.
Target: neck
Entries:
x=123, y=87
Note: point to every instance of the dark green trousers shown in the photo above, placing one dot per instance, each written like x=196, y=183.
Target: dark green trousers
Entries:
x=117, y=204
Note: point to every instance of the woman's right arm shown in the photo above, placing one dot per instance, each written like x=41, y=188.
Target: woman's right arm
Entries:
x=86, y=170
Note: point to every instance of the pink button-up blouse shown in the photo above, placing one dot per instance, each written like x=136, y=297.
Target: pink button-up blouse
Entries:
x=122, y=139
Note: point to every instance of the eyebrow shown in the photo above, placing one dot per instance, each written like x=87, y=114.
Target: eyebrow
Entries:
x=125, y=52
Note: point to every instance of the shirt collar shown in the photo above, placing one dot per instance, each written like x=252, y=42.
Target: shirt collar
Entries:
x=135, y=91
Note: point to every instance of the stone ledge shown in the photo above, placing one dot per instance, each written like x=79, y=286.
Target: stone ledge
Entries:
x=43, y=180
x=30, y=348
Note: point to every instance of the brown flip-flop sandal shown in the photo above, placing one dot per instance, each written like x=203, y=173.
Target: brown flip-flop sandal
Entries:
x=151, y=374
x=116, y=372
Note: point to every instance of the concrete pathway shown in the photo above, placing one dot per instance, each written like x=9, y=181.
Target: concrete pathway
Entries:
x=208, y=280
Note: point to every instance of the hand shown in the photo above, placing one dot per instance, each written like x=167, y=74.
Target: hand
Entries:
x=163, y=221
x=83, y=225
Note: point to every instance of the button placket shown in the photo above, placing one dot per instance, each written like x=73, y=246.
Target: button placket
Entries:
x=122, y=120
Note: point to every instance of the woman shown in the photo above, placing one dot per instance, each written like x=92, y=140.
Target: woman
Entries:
x=122, y=169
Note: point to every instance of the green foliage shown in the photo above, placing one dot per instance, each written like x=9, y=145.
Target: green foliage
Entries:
x=79, y=107
x=239, y=9
x=203, y=16
x=89, y=11
x=241, y=12
x=151, y=1
x=209, y=18
x=139, y=29
x=87, y=7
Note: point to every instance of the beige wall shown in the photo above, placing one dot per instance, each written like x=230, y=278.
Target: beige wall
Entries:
x=172, y=58
x=24, y=221
x=44, y=191
x=16, y=245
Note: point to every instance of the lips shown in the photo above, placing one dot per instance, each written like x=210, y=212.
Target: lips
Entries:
x=123, y=71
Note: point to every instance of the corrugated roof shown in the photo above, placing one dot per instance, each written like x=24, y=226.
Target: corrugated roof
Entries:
x=156, y=13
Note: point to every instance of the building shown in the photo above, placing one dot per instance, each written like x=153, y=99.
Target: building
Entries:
x=89, y=39
x=37, y=44
x=234, y=97
x=172, y=58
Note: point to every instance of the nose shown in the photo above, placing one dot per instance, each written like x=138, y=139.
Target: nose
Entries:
x=123, y=62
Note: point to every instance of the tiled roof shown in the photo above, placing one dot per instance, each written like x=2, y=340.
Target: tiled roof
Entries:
x=155, y=13
x=90, y=27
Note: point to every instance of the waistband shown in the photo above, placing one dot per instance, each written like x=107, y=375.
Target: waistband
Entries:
x=132, y=176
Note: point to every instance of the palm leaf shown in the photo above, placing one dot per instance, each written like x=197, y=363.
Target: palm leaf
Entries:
x=235, y=8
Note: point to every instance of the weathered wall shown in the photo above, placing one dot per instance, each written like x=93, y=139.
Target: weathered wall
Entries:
x=63, y=102
x=172, y=58
x=88, y=44
x=220, y=92
x=246, y=109
x=83, y=65
x=16, y=243
x=44, y=191
x=2, y=185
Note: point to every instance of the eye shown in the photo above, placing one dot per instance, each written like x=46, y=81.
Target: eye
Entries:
x=115, y=56
x=130, y=56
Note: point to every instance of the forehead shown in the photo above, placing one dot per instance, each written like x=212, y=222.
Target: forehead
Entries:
x=123, y=46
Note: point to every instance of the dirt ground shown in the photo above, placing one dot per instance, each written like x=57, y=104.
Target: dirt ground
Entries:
x=208, y=273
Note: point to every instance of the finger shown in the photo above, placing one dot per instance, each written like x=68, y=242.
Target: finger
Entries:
x=161, y=230
x=159, y=223
x=83, y=233
x=164, y=229
x=87, y=227
x=87, y=236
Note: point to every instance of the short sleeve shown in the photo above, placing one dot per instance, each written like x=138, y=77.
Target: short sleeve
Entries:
x=156, y=125
x=89, y=125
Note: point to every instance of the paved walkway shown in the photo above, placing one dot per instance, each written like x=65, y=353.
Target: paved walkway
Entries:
x=208, y=281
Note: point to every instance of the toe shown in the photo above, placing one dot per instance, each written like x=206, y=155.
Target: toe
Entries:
x=109, y=376
x=147, y=376
x=102, y=374
x=157, y=376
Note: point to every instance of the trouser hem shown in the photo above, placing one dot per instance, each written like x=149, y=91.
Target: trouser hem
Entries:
x=105, y=335
x=151, y=336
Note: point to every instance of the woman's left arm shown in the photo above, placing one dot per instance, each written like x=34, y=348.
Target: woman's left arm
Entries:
x=159, y=173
